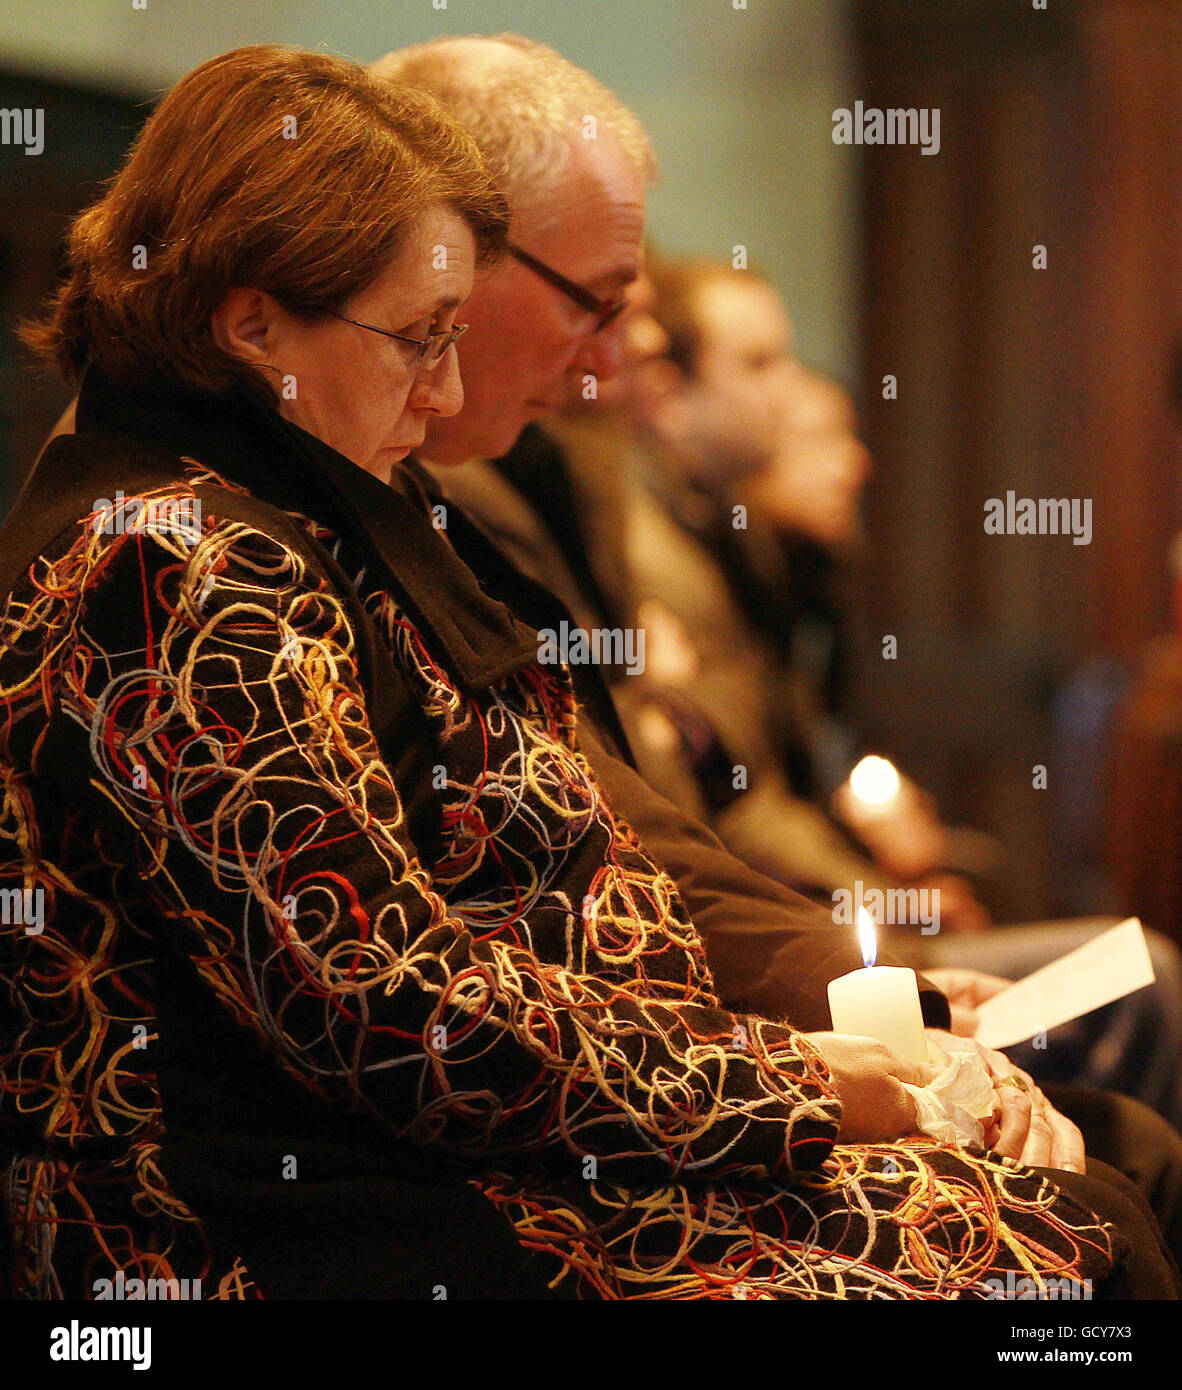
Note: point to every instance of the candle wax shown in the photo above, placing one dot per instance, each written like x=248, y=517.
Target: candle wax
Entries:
x=881, y=1002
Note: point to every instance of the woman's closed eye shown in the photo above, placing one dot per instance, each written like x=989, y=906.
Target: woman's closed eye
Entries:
x=424, y=327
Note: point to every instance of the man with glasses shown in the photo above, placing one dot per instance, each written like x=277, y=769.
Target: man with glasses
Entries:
x=601, y=310
x=548, y=316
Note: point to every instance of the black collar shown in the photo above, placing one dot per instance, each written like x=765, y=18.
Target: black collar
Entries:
x=241, y=437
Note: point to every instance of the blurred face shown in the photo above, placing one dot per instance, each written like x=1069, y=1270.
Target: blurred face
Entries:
x=643, y=343
x=528, y=344
x=821, y=466
x=729, y=413
x=358, y=391
x=648, y=380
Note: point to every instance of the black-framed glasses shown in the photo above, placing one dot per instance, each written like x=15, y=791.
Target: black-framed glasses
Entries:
x=604, y=309
x=430, y=349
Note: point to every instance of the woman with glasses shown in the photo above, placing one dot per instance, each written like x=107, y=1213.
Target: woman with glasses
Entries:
x=330, y=969
x=196, y=1072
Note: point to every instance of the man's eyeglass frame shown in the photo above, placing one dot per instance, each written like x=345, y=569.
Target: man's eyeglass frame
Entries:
x=604, y=309
x=427, y=354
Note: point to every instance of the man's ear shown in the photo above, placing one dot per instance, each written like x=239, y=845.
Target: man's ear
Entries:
x=244, y=325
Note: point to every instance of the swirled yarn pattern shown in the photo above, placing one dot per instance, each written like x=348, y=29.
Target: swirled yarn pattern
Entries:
x=522, y=989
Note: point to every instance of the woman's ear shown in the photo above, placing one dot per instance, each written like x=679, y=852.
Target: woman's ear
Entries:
x=244, y=325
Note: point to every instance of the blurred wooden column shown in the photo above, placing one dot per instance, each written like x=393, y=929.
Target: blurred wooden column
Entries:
x=1132, y=324
x=1058, y=128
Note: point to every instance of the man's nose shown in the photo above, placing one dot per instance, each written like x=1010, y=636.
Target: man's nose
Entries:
x=602, y=354
x=439, y=388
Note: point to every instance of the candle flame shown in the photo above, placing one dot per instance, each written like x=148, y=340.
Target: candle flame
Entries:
x=867, y=937
x=875, y=781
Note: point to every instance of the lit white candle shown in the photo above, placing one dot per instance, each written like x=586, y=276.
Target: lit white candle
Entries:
x=881, y=1001
x=875, y=784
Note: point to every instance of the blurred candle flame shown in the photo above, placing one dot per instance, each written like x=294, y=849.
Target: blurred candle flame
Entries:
x=867, y=937
x=875, y=781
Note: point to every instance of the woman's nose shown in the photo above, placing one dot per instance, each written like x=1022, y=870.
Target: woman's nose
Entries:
x=439, y=388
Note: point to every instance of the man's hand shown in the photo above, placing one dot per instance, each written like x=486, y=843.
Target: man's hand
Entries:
x=867, y=1074
x=1024, y=1125
x=965, y=990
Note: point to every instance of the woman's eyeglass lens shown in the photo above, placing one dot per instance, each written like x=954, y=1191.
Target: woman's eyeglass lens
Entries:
x=430, y=349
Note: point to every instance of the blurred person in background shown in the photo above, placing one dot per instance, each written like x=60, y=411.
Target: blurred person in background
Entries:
x=610, y=506
x=798, y=527
x=725, y=407
x=756, y=459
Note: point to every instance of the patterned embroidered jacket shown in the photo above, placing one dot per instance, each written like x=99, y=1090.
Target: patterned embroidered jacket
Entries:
x=312, y=895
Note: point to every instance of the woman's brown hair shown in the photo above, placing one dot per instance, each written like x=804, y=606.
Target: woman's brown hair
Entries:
x=271, y=168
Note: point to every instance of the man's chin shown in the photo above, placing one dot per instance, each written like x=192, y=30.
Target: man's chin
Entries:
x=444, y=452
x=450, y=456
x=445, y=449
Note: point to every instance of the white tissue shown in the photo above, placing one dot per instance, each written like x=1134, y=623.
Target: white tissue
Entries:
x=952, y=1106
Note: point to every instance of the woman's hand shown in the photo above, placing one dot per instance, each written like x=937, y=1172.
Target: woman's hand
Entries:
x=868, y=1077
x=1024, y=1125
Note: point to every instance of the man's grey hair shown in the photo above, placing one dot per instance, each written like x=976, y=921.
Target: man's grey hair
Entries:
x=523, y=103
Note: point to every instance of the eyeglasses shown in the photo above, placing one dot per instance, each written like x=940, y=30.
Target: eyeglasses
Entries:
x=604, y=309
x=430, y=349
